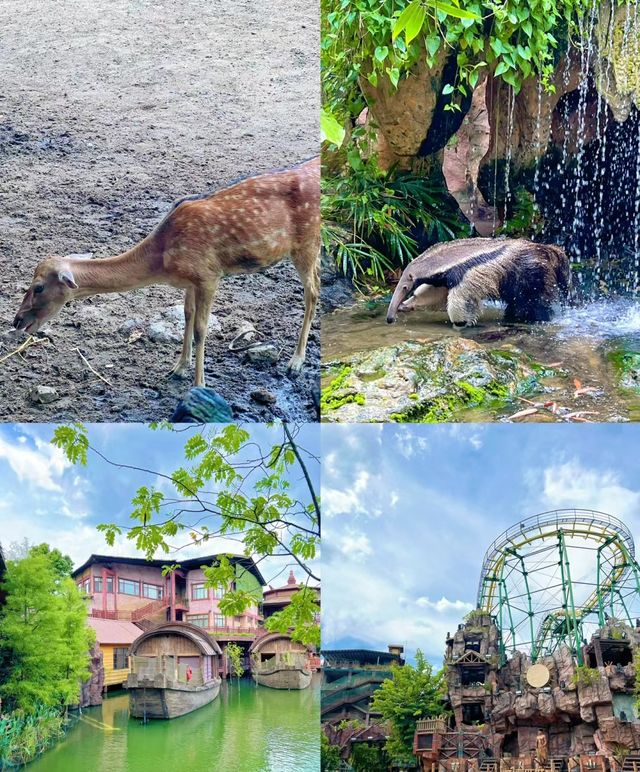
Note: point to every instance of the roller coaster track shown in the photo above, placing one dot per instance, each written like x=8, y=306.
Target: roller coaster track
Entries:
x=601, y=531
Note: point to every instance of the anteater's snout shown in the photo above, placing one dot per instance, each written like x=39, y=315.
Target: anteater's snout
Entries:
x=391, y=318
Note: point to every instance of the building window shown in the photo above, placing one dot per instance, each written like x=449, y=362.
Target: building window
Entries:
x=199, y=592
x=110, y=585
x=152, y=591
x=85, y=585
x=218, y=593
x=200, y=620
x=120, y=659
x=220, y=621
x=128, y=587
x=97, y=584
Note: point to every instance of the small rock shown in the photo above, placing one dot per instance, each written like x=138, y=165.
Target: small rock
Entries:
x=43, y=394
x=162, y=332
x=263, y=353
x=263, y=397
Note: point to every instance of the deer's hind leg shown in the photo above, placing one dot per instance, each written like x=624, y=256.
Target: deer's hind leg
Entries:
x=184, y=360
x=306, y=261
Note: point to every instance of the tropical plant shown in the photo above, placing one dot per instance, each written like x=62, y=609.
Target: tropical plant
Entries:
x=366, y=39
x=413, y=692
x=235, y=654
x=23, y=736
x=228, y=487
x=369, y=217
x=329, y=755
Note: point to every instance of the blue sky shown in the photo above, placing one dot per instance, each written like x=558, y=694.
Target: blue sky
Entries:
x=410, y=510
x=45, y=498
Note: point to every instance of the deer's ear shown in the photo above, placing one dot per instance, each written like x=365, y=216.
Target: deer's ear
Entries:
x=66, y=277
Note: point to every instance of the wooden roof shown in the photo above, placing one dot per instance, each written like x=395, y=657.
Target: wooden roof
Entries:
x=197, y=635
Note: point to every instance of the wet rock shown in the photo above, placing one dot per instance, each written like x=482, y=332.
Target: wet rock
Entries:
x=263, y=353
x=337, y=290
x=42, y=395
x=263, y=397
x=424, y=382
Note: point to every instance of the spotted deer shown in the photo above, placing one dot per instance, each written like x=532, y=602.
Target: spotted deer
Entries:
x=243, y=228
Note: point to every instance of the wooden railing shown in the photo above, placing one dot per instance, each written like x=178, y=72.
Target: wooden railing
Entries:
x=230, y=631
x=431, y=725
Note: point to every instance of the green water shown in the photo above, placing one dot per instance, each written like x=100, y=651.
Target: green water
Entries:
x=246, y=729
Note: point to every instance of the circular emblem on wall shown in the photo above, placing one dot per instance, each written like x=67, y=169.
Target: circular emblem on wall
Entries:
x=538, y=676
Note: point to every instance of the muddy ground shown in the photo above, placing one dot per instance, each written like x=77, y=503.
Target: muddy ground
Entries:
x=109, y=111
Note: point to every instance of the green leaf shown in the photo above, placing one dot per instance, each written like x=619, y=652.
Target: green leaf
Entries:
x=330, y=130
x=410, y=21
x=501, y=68
x=433, y=44
x=381, y=53
x=394, y=75
x=448, y=89
x=452, y=10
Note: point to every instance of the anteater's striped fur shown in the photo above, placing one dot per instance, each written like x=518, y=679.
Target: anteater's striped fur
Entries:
x=459, y=275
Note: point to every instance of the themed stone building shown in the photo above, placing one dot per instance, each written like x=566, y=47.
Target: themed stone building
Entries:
x=508, y=712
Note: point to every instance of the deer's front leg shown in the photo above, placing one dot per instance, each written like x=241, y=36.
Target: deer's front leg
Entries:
x=306, y=263
x=203, y=299
x=184, y=360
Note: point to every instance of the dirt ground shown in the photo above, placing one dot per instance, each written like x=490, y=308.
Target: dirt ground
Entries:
x=109, y=111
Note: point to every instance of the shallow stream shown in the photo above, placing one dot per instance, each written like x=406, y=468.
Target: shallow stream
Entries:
x=593, y=350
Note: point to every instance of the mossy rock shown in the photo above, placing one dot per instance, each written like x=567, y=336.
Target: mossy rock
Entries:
x=627, y=367
x=426, y=382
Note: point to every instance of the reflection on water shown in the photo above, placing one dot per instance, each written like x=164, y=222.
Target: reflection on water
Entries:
x=247, y=729
x=581, y=339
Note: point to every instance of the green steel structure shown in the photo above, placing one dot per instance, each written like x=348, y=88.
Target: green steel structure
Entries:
x=553, y=578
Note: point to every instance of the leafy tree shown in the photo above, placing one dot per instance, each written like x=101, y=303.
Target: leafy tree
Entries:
x=62, y=564
x=368, y=758
x=329, y=755
x=234, y=653
x=43, y=635
x=413, y=692
x=228, y=487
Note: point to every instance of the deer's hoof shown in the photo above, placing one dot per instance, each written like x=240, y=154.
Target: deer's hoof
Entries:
x=295, y=364
x=179, y=371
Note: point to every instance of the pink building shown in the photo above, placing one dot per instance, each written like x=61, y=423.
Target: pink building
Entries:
x=135, y=590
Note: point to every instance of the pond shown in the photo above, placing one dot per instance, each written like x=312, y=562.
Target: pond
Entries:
x=247, y=729
x=588, y=348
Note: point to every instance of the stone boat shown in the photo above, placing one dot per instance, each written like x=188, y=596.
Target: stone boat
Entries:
x=174, y=669
x=280, y=663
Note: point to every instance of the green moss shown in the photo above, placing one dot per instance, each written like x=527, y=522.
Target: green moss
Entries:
x=627, y=367
x=336, y=394
x=446, y=407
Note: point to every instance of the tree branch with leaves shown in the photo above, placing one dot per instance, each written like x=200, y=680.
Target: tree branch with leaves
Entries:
x=229, y=487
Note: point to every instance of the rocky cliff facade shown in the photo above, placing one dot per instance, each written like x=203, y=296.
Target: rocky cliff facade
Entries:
x=504, y=707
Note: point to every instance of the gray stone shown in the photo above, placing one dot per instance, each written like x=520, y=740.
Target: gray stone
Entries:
x=263, y=353
x=163, y=332
x=43, y=394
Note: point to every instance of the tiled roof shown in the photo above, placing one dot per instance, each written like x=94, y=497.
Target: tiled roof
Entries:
x=114, y=631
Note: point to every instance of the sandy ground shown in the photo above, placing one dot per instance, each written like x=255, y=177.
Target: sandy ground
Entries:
x=109, y=111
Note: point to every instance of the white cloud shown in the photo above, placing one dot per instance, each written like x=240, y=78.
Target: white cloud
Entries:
x=355, y=545
x=39, y=467
x=570, y=484
x=347, y=501
x=444, y=605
